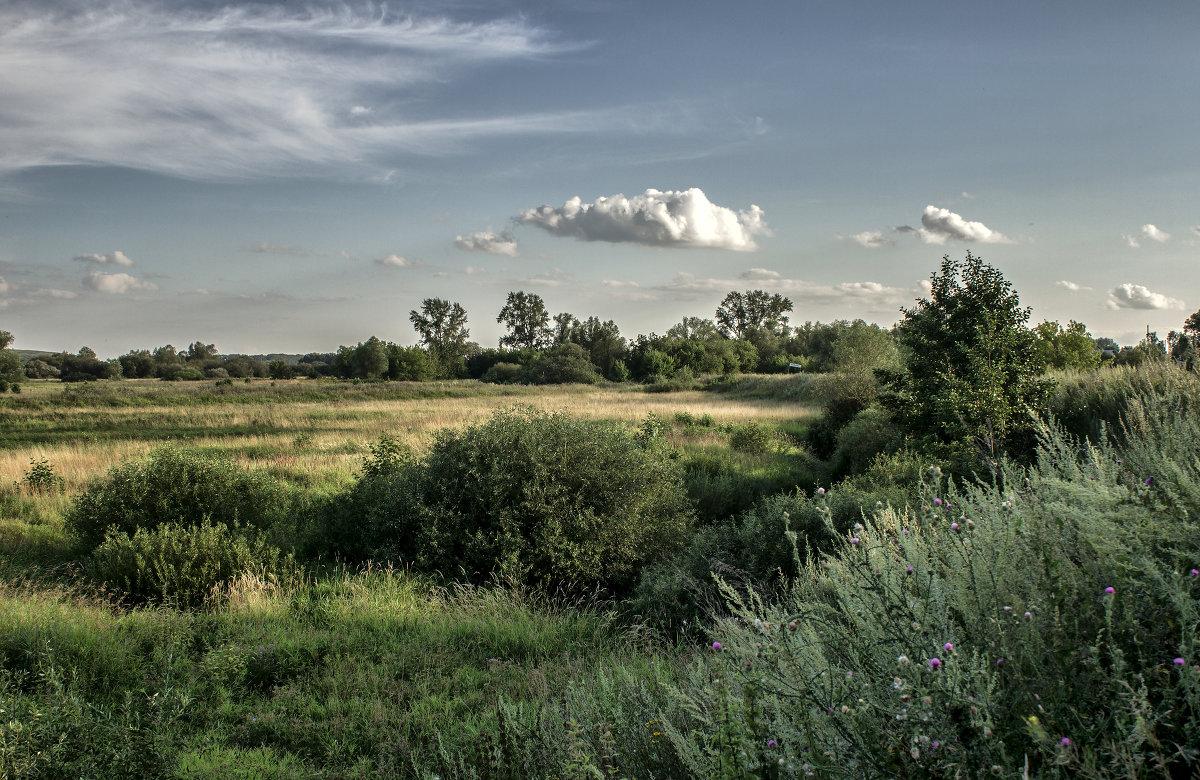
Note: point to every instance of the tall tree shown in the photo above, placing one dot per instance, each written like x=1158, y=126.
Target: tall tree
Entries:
x=1192, y=324
x=6, y=338
x=972, y=366
x=528, y=322
x=741, y=313
x=563, y=323
x=603, y=342
x=442, y=328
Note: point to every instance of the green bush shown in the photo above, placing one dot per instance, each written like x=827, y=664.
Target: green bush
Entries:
x=1040, y=626
x=502, y=373
x=867, y=435
x=181, y=565
x=565, y=364
x=752, y=438
x=173, y=485
x=527, y=496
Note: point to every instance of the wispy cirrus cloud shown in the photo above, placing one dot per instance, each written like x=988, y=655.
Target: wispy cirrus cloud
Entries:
x=264, y=248
x=230, y=91
x=686, y=219
x=1070, y=286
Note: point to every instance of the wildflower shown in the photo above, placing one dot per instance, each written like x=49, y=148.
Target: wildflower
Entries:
x=1007, y=608
x=820, y=491
x=936, y=744
x=716, y=645
x=897, y=683
x=910, y=569
x=770, y=743
x=1110, y=590
x=948, y=646
x=792, y=625
x=1065, y=742
x=1195, y=572
x=1149, y=480
x=849, y=674
x=937, y=502
x=854, y=540
x=935, y=663
x=902, y=660
x=954, y=526
x=999, y=661
x=1180, y=662
x=1029, y=616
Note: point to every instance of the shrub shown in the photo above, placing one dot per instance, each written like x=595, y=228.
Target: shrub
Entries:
x=870, y=433
x=565, y=364
x=173, y=485
x=181, y=565
x=752, y=438
x=41, y=477
x=502, y=373
x=528, y=496
x=1041, y=626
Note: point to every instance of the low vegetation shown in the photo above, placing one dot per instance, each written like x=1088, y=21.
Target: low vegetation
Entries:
x=866, y=573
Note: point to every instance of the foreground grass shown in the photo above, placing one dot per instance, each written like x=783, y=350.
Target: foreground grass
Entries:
x=374, y=673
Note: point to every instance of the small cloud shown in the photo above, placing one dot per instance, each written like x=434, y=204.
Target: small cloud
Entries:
x=1196, y=230
x=488, y=242
x=394, y=261
x=967, y=196
x=871, y=239
x=616, y=283
x=115, y=284
x=555, y=277
x=360, y=111
x=1135, y=296
x=685, y=219
x=47, y=292
x=1130, y=241
x=474, y=270
x=112, y=258
x=1154, y=234
x=925, y=286
x=264, y=248
x=759, y=274
x=1071, y=286
x=939, y=225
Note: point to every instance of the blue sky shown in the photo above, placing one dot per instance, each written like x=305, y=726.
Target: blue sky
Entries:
x=290, y=177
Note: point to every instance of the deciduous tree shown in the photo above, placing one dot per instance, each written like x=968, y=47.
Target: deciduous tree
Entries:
x=528, y=322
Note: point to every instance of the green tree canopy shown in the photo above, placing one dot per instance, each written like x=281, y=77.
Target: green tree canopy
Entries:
x=1070, y=348
x=971, y=365
x=528, y=322
x=442, y=328
x=741, y=313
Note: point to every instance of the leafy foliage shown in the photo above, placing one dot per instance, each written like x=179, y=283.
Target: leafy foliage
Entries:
x=527, y=320
x=741, y=313
x=181, y=565
x=442, y=329
x=173, y=485
x=971, y=366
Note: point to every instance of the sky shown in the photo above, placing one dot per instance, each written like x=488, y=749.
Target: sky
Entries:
x=291, y=177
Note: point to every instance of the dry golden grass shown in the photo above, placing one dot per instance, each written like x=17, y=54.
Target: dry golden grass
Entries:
x=311, y=443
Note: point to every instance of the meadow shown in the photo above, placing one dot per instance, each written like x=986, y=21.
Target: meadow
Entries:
x=895, y=623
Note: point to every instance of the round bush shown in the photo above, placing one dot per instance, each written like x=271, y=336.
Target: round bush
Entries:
x=533, y=497
x=181, y=565
x=502, y=373
x=173, y=485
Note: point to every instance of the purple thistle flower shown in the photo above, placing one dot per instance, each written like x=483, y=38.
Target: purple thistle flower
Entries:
x=1066, y=742
x=770, y=743
x=820, y=491
x=954, y=526
x=854, y=540
x=910, y=569
x=935, y=663
x=716, y=645
x=1110, y=590
x=937, y=502
x=1195, y=572
x=1029, y=616
x=948, y=646
x=999, y=661
x=1180, y=662
x=1149, y=480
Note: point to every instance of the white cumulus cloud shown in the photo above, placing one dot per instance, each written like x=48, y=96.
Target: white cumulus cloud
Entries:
x=1131, y=241
x=394, y=261
x=488, y=242
x=871, y=239
x=684, y=218
x=1071, y=286
x=1135, y=296
x=115, y=284
x=939, y=225
x=1154, y=234
x=111, y=258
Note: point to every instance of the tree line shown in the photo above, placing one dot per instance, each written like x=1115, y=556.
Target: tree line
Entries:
x=749, y=333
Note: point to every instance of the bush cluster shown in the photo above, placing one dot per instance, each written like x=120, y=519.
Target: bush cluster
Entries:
x=527, y=496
